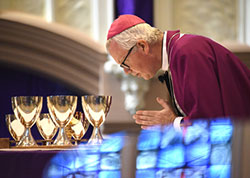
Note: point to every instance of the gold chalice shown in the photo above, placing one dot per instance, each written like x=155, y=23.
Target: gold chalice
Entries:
x=96, y=109
x=46, y=127
x=15, y=127
x=77, y=127
x=62, y=109
x=27, y=109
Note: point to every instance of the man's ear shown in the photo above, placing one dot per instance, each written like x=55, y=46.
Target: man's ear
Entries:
x=143, y=46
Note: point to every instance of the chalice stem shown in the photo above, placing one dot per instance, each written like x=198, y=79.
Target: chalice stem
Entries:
x=77, y=142
x=27, y=134
x=99, y=134
x=62, y=138
x=27, y=139
x=96, y=137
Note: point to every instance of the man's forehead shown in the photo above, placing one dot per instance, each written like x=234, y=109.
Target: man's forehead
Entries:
x=114, y=45
x=116, y=51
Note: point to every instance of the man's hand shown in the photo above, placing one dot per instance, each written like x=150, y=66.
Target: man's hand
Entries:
x=150, y=118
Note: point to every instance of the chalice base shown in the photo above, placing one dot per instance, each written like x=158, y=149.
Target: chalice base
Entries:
x=96, y=137
x=48, y=143
x=62, y=138
x=27, y=139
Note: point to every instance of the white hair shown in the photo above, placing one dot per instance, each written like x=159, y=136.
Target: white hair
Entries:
x=129, y=37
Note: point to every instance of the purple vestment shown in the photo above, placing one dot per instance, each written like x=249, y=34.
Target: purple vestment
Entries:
x=208, y=80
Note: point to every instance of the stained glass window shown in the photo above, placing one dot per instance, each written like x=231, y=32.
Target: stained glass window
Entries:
x=202, y=149
x=92, y=161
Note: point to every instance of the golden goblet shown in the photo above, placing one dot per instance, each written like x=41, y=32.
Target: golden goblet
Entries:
x=62, y=109
x=15, y=127
x=96, y=109
x=77, y=127
x=46, y=127
x=27, y=109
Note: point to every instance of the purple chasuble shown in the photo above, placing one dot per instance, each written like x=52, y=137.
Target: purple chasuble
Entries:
x=208, y=80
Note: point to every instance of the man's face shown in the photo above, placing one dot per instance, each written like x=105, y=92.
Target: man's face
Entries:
x=137, y=62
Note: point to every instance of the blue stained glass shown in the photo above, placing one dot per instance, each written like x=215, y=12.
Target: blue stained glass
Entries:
x=149, y=139
x=197, y=133
x=54, y=171
x=221, y=154
x=58, y=171
x=81, y=175
x=145, y=173
x=113, y=143
x=87, y=148
x=146, y=159
x=197, y=154
x=65, y=158
x=196, y=172
x=109, y=174
x=169, y=173
x=170, y=137
x=70, y=162
x=110, y=161
x=221, y=121
x=90, y=162
x=219, y=171
x=221, y=131
x=171, y=157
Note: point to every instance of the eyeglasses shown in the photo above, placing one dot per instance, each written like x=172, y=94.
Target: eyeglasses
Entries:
x=123, y=65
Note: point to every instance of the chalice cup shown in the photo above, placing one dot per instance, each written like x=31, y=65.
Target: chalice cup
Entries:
x=62, y=109
x=78, y=126
x=15, y=127
x=46, y=127
x=27, y=109
x=96, y=109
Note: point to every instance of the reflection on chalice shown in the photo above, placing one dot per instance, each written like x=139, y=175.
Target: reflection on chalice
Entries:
x=62, y=109
x=15, y=127
x=46, y=127
x=77, y=127
x=96, y=109
x=27, y=109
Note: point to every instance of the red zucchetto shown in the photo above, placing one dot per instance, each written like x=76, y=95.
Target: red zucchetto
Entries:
x=123, y=22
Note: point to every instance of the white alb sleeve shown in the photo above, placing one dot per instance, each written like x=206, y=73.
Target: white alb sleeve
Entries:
x=177, y=124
